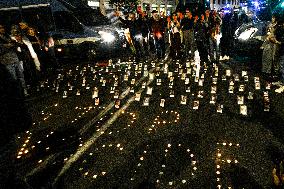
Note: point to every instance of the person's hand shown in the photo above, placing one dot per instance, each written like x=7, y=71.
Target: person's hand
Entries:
x=116, y=13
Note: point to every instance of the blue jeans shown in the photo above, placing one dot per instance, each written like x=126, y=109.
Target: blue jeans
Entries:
x=17, y=72
x=160, y=47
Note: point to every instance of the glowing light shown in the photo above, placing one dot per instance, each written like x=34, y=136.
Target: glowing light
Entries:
x=247, y=34
x=107, y=37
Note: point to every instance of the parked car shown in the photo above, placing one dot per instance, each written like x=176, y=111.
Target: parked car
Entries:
x=249, y=37
x=73, y=39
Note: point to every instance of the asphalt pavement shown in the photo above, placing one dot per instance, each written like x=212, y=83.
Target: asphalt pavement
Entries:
x=153, y=124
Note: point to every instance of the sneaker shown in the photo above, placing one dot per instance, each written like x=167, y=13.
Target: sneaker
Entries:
x=280, y=89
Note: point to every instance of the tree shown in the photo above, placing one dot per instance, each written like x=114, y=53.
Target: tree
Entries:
x=129, y=5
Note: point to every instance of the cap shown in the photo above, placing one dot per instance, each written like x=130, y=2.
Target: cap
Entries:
x=154, y=11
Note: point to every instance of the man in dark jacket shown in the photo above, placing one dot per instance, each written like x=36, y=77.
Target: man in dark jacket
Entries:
x=158, y=28
x=187, y=26
x=201, y=39
x=142, y=34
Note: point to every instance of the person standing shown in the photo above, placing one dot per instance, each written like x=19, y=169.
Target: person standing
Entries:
x=227, y=29
x=157, y=26
x=14, y=117
x=130, y=32
x=187, y=26
x=175, y=46
x=9, y=58
x=270, y=48
x=30, y=57
x=143, y=33
x=279, y=34
x=214, y=31
x=201, y=39
x=50, y=60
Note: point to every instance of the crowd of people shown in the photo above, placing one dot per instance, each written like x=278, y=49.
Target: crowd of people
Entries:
x=185, y=32
x=210, y=33
x=26, y=54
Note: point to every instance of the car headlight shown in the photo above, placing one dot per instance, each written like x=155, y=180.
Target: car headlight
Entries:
x=247, y=34
x=107, y=37
x=237, y=32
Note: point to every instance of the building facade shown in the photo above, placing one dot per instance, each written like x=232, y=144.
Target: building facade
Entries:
x=168, y=6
